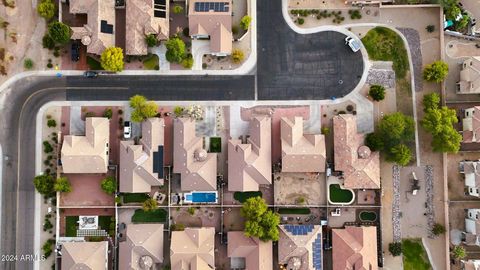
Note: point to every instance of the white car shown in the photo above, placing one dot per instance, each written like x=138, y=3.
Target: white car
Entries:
x=127, y=130
x=353, y=43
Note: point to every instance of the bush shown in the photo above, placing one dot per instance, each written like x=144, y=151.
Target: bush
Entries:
x=435, y=72
x=325, y=130
x=430, y=28
x=186, y=32
x=90, y=114
x=235, y=30
x=377, y=92
x=374, y=142
x=49, y=65
x=177, y=227
x=28, y=63
x=245, y=22
x=112, y=59
x=47, y=225
x=178, y=111
x=459, y=252
x=400, y=154
x=59, y=32
x=300, y=21
x=46, y=9
x=63, y=185
x=47, y=147
x=237, y=56
x=51, y=123
x=108, y=113
x=47, y=249
x=109, y=185
x=191, y=211
x=142, y=108
x=151, y=40
x=44, y=184
x=149, y=205
x=438, y=229
x=395, y=248
x=177, y=9
x=175, y=50
x=188, y=62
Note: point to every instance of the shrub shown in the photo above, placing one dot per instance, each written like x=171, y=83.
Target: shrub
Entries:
x=112, y=59
x=237, y=56
x=90, y=114
x=109, y=185
x=151, y=40
x=325, y=130
x=46, y=9
x=47, y=249
x=51, y=123
x=191, y=211
x=28, y=63
x=377, y=92
x=300, y=21
x=47, y=225
x=59, y=32
x=63, y=185
x=436, y=72
x=177, y=227
x=177, y=9
x=175, y=50
x=188, y=62
x=235, y=30
x=395, y=248
x=245, y=22
x=149, y=205
x=44, y=184
x=47, y=147
x=438, y=229
x=459, y=252
x=178, y=111
x=430, y=28
x=108, y=113
x=49, y=65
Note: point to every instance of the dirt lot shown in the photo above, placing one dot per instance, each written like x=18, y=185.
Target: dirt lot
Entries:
x=290, y=187
x=86, y=191
x=456, y=182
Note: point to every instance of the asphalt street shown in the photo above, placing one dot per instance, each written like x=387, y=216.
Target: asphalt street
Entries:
x=290, y=67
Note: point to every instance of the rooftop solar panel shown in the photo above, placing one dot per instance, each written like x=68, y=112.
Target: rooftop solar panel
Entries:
x=211, y=6
x=158, y=162
x=105, y=27
x=159, y=13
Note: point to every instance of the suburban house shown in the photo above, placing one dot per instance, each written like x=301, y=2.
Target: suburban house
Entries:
x=355, y=248
x=193, y=248
x=301, y=152
x=300, y=247
x=472, y=227
x=141, y=166
x=212, y=19
x=85, y=255
x=142, y=248
x=470, y=169
x=470, y=264
x=89, y=153
x=471, y=125
x=469, y=76
x=249, y=252
x=250, y=163
x=198, y=168
x=145, y=17
x=359, y=165
x=98, y=34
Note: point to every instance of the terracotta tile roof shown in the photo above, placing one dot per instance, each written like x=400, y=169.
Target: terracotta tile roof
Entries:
x=471, y=169
x=193, y=249
x=355, y=248
x=301, y=152
x=142, y=241
x=297, y=247
x=198, y=168
x=360, y=166
x=216, y=25
x=471, y=125
x=136, y=161
x=85, y=255
x=470, y=76
x=91, y=34
x=140, y=21
x=250, y=165
x=89, y=153
x=258, y=254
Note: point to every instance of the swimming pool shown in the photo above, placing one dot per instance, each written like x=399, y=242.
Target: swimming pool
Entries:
x=201, y=197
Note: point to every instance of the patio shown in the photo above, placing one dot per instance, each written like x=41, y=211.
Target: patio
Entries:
x=86, y=191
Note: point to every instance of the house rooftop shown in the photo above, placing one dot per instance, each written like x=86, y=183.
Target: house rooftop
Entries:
x=193, y=248
x=258, y=255
x=355, y=248
x=471, y=125
x=300, y=245
x=143, y=247
x=85, y=255
x=250, y=164
x=470, y=76
x=89, y=153
x=301, y=152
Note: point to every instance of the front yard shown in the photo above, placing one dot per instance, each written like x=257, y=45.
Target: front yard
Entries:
x=414, y=255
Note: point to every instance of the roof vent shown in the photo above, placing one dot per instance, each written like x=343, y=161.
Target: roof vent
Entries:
x=364, y=152
x=145, y=262
x=294, y=263
x=200, y=155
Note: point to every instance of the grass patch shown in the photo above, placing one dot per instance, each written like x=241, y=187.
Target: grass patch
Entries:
x=215, y=145
x=134, y=197
x=338, y=195
x=383, y=44
x=157, y=216
x=151, y=62
x=104, y=222
x=71, y=226
x=414, y=255
x=368, y=216
x=94, y=64
x=294, y=211
x=243, y=196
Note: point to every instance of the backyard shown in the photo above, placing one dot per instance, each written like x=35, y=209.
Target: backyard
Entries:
x=243, y=196
x=134, y=197
x=71, y=226
x=368, y=216
x=294, y=211
x=215, y=145
x=414, y=255
x=156, y=216
x=339, y=195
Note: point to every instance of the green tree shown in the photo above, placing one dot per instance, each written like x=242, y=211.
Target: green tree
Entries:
x=253, y=208
x=175, y=50
x=112, y=59
x=374, y=142
x=44, y=184
x=395, y=248
x=435, y=72
x=431, y=101
x=149, y=205
x=438, y=229
x=46, y=9
x=151, y=40
x=447, y=142
x=400, y=154
x=48, y=42
x=440, y=123
x=452, y=12
x=462, y=24
x=177, y=9
x=108, y=113
x=396, y=127
x=377, y=92
x=28, y=63
x=51, y=123
x=47, y=147
x=245, y=22
x=187, y=62
x=59, y=32
x=178, y=111
x=109, y=185
x=237, y=56
x=459, y=252
x=63, y=185
x=260, y=222
x=142, y=108
x=137, y=101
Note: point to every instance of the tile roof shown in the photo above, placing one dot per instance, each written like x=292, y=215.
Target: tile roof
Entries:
x=258, y=254
x=137, y=161
x=84, y=255
x=470, y=76
x=355, y=248
x=301, y=152
x=250, y=164
x=193, y=249
x=142, y=241
x=298, y=247
x=198, y=168
x=471, y=125
x=360, y=166
x=89, y=153
x=471, y=169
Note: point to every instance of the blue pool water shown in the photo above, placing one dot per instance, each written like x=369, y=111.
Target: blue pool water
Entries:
x=202, y=197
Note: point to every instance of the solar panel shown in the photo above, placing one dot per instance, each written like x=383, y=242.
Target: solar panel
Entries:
x=317, y=252
x=158, y=162
x=211, y=6
x=160, y=13
x=105, y=27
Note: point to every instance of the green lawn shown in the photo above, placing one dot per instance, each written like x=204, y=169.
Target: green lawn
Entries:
x=156, y=216
x=134, y=197
x=294, y=211
x=71, y=226
x=104, y=222
x=368, y=216
x=383, y=44
x=94, y=64
x=243, y=196
x=151, y=62
x=215, y=145
x=338, y=195
x=414, y=255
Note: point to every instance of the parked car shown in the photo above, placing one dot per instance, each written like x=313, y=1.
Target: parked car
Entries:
x=90, y=74
x=353, y=43
x=127, y=130
x=75, y=52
